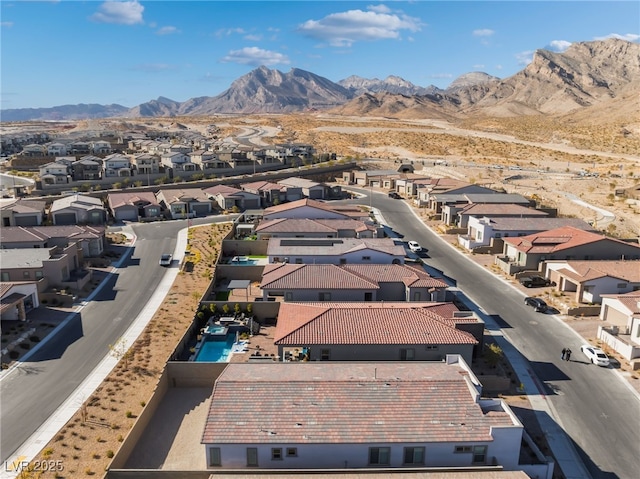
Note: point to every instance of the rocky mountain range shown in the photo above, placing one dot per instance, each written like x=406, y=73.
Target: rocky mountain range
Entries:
x=586, y=75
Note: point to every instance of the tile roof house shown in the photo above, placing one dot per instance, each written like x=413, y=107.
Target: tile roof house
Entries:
x=270, y=193
x=317, y=228
x=134, y=206
x=621, y=312
x=457, y=209
x=483, y=230
x=91, y=239
x=87, y=168
x=567, y=243
x=589, y=280
x=117, y=165
x=335, y=251
x=54, y=173
x=357, y=415
x=310, y=189
x=305, y=208
x=425, y=190
x=376, y=331
x=22, y=212
x=78, y=209
x=17, y=299
x=226, y=197
x=350, y=282
x=185, y=203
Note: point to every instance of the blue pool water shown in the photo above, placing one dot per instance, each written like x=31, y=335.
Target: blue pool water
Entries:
x=216, y=349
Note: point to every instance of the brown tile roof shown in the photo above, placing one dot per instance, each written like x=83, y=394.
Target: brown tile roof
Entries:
x=365, y=323
x=10, y=234
x=298, y=204
x=329, y=403
x=332, y=246
x=25, y=206
x=588, y=270
x=559, y=239
x=307, y=225
x=117, y=200
x=382, y=273
x=317, y=276
x=217, y=189
x=262, y=186
x=488, y=209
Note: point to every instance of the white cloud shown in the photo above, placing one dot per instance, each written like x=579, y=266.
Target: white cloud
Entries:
x=230, y=31
x=345, y=28
x=483, y=32
x=256, y=57
x=253, y=37
x=379, y=8
x=168, y=30
x=6, y=24
x=524, y=58
x=441, y=75
x=630, y=37
x=124, y=13
x=498, y=67
x=558, y=45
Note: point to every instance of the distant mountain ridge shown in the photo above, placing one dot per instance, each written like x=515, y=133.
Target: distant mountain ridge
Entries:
x=586, y=75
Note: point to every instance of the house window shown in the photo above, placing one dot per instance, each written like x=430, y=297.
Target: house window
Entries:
x=298, y=260
x=498, y=235
x=462, y=449
x=407, y=354
x=252, y=457
x=368, y=296
x=288, y=296
x=431, y=347
x=325, y=354
x=479, y=454
x=276, y=453
x=324, y=296
x=26, y=274
x=292, y=452
x=39, y=274
x=414, y=455
x=622, y=285
x=379, y=456
x=343, y=261
x=5, y=276
x=416, y=295
x=214, y=457
x=366, y=258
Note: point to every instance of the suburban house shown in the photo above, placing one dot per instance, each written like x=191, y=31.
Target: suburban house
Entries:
x=621, y=312
x=335, y=251
x=407, y=184
x=590, y=280
x=483, y=230
x=206, y=160
x=87, y=168
x=134, y=206
x=17, y=299
x=50, y=267
x=459, y=215
x=21, y=212
x=359, y=415
x=305, y=208
x=567, y=243
x=77, y=209
x=147, y=164
x=117, y=165
x=34, y=149
x=184, y=203
x=450, y=204
x=79, y=147
x=371, y=178
x=308, y=188
x=91, y=239
x=101, y=147
x=226, y=197
x=317, y=228
x=376, y=331
x=56, y=149
x=178, y=161
x=54, y=173
x=270, y=193
x=441, y=185
x=350, y=282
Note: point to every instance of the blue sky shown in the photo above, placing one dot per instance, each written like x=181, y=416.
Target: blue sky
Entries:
x=129, y=52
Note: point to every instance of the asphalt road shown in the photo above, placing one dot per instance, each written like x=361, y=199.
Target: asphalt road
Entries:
x=595, y=407
x=31, y=392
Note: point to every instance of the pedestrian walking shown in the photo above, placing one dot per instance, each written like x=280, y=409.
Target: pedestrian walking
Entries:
x=564, y=352
x=567, y=355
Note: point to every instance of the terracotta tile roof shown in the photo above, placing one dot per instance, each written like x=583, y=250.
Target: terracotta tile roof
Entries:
x=630, y=300
x=317, y=276
x=382, y=273
x=588, y=270
x=544, y=223
x=307, y=225
x=489, y=209
x=559, y=239
x=262, y=186
x=329, y=403
x=25, y=206
x=10, y=234
x=117, y=200
x=220, y=189
x=365, y=323
x=297, y=204
x=173, y=195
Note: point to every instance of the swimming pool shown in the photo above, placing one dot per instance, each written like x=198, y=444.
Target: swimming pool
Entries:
x=217, y=349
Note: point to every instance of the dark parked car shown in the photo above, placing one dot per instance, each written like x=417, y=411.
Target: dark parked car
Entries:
x=393, y=194
x=538, y=304
x=535, y=281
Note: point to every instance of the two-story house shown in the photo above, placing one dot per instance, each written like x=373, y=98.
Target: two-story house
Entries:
x=117, y=165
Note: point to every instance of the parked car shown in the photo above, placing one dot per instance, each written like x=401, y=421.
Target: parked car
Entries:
x=537, y=304
x=534, y=281
x=394, y=195
x=595, y=355
x=165, y=259
x=414, y=246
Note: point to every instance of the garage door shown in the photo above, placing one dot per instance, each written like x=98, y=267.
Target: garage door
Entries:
x=65, y=219
x=127, y=215
x=200, y=210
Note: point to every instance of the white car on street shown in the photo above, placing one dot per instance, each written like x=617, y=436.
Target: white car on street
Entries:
x=595, y=355
x=414, y=246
